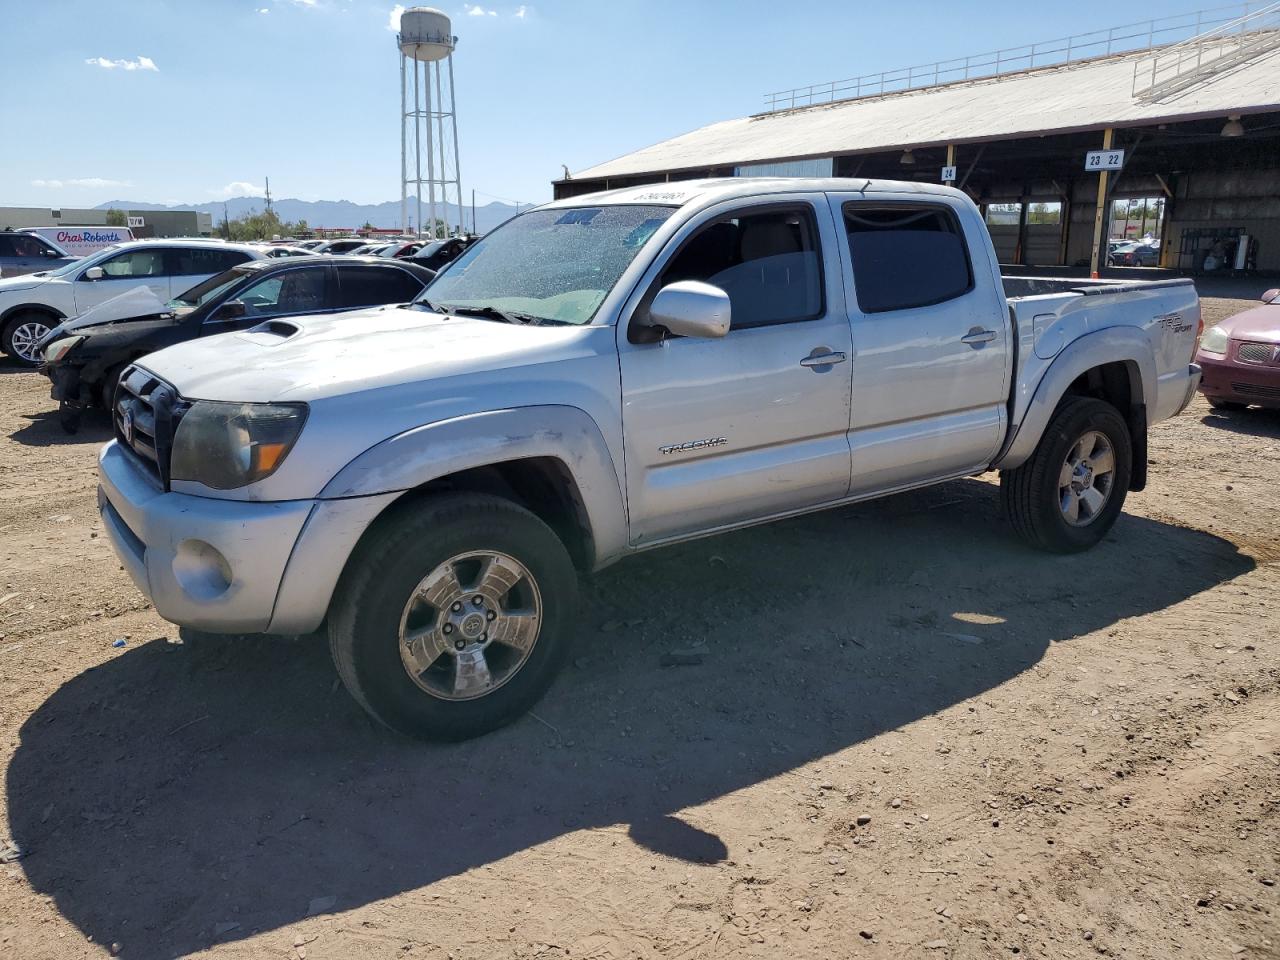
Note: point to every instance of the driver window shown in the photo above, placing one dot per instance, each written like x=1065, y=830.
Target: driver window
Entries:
x=296, y=291
x=134, y=263
x=767, y=262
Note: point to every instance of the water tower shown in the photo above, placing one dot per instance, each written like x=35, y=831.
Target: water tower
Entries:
x=428, y=131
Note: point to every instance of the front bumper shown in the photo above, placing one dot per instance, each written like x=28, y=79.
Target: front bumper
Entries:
x=1237, y=382
x=64, y=379
x=209, y=564
x=229, y=566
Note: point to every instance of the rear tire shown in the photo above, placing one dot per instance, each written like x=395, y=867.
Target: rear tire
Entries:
x=1218, y=404
x=404, y=627
x=1067, y=496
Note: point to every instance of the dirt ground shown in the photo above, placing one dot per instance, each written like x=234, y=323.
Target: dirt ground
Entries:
x=909, y=736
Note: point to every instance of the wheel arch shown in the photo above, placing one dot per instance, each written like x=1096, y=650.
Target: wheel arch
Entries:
x=548, y=457
x=1116, y=365
x=52, y=312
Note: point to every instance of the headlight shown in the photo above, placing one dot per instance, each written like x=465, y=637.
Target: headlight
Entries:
x=1214, y=340
x=229, y=445
x=60, y=348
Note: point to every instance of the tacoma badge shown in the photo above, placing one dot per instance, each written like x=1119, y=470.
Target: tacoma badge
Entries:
x=693, y=445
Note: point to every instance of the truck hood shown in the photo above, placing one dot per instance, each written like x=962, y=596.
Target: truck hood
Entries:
x=312, y=358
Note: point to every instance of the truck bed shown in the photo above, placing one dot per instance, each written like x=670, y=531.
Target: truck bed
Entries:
x=1049, y=314
x=1018, y=287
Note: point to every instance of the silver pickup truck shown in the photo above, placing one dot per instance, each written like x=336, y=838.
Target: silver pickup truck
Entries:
x=608, y=374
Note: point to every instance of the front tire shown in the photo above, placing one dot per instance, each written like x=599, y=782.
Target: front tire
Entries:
x=1067, y=496
x=453, y=616
x=22, y=333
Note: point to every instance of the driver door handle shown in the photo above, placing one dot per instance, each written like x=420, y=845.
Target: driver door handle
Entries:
x=823, y=360
x=977, y=336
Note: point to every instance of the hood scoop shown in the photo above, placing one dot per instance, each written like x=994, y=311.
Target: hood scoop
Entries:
x=271, y=333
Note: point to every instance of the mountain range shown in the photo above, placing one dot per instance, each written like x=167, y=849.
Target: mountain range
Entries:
x=330, y=213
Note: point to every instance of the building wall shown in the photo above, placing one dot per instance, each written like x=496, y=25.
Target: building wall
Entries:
x=1247, y=199
x=159, y=223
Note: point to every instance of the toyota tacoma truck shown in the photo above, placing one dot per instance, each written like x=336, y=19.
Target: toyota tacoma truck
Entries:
x=604, y=375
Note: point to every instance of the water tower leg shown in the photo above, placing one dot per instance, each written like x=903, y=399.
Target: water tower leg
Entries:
x=417, y=142
x=457, y=165
x=431, y=156
x=404, y=189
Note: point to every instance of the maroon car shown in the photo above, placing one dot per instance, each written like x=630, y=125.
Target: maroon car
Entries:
x=1241, y=358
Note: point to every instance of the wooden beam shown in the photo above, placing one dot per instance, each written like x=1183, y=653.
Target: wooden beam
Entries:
x=972, y=164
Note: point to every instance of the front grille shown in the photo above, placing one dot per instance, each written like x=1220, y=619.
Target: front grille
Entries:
x=145, y=412
x=1257, y=353
x=1256, y=390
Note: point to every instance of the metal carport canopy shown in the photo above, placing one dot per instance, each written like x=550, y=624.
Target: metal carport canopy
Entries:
x=1086, y=95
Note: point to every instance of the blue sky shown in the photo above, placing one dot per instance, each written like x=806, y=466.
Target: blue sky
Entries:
x=185, y=101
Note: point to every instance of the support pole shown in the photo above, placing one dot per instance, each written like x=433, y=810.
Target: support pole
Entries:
x=1100, y=213
x=951, y=154
x=404, y=199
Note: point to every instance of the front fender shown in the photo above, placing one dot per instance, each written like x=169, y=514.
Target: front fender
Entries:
x=435, y=450
x=52, y=312
x=1128, y=345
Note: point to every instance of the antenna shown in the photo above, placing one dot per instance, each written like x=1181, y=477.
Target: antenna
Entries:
x=426, y=41
x=268, y=192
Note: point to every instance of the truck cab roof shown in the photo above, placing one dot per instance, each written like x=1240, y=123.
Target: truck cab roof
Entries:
x=716, y=189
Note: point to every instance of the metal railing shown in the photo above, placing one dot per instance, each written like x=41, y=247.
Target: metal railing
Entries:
x=1174, y=68
x=1128, y=38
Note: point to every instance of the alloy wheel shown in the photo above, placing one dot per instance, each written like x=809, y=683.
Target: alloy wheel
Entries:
x=470, y=625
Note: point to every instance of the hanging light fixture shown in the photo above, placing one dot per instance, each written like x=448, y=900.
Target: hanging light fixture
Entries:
x=1233, y=127
x=909, y=160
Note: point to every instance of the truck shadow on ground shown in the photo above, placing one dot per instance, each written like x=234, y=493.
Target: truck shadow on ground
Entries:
x=167, y=799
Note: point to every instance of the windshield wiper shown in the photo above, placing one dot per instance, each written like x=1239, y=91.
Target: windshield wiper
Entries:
x=490, y=313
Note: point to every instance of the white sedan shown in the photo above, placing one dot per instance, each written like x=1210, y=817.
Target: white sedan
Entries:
x=32, y=305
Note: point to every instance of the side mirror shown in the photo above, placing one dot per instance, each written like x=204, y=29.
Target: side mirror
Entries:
x=690, y=308
x=94, y=273
x=1271, y=295
x=231, y=310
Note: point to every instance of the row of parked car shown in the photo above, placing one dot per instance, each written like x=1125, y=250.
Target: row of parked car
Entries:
x=1133, y=253
x=161, y=276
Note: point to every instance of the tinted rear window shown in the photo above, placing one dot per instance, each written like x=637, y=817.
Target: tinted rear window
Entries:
x=190, y=262
x=370, y=286
x=906, y=255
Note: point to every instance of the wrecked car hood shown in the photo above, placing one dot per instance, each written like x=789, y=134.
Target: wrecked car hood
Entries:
x=138, y=302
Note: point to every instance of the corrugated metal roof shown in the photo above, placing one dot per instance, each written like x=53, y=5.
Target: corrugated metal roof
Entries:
x=1080, y=96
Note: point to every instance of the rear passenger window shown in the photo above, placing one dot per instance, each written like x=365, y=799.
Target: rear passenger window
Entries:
x=906, y=255
x=193, y=262
x=371, y=286
x=767, y=262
